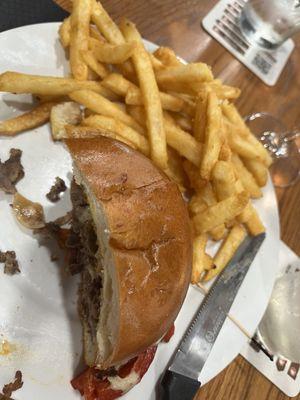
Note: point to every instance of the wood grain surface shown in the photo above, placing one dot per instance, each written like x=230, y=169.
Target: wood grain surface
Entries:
x=177, y=24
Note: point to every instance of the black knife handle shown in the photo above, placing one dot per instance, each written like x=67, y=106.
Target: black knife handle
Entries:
x=177, y=387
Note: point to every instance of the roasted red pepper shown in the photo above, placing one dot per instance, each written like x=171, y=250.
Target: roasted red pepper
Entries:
x=92, y=387
x=169, y=334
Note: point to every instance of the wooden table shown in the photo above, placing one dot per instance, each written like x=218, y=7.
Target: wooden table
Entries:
x=177, y=24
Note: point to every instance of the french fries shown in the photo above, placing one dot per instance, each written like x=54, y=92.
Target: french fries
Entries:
x=233, y=240
x=220, y=213
x=222, y=91
x=167, y=57
x=65, y=32
x=182, y=142
x=150, y=92
x=32, y=119
x=101, y=105
x=177, y=114
x=202, y=262
x=223, y=178
x=213, y=139
x=15, y=82
x=168, y=101
x=200, y=119
x=258, y=170
x=236, y=120
x=105, y=24
x=80, y=26
x=245, y=177
x=118, y=84
x=189, y=73
x=111, y=53
x=96, y=66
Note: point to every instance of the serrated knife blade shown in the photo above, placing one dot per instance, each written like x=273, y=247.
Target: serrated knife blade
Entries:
x=181, y=379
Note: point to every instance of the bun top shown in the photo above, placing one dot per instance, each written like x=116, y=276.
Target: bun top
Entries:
x=149, y=237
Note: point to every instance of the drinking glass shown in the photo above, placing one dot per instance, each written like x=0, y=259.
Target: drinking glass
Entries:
x=281, y=144
x=269, y=23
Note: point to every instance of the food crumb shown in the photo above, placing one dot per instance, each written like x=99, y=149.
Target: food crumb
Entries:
x=55, y=190
x=11, y=265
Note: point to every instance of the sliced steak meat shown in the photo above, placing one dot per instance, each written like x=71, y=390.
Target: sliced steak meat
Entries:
x=11, y=387
x=56, y=189
x=83, y=242
x=11, y=171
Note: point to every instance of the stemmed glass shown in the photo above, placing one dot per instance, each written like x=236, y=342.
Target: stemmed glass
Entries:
x=281, y=143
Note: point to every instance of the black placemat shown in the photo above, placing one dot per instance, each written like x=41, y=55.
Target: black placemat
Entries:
x=14, y=13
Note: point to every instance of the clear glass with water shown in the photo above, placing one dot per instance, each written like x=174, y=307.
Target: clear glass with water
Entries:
x=269, y=23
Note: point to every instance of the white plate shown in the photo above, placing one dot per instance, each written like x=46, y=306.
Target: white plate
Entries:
x=38, y=307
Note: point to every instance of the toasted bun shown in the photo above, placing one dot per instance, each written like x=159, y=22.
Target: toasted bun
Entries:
x=144, y=239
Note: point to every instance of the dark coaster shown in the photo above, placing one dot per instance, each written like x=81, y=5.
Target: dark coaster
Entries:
x=14, y=13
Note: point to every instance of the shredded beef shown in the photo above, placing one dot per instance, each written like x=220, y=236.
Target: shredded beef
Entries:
x=9, y=388
x=11, y=171
x=83, y=242
x=56, y=189
x=11, y=265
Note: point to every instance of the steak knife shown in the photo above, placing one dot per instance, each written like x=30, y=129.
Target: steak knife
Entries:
x=181, y=379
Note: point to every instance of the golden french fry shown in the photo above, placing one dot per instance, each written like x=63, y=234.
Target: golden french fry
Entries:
x=156, y=63
x=95, y=34
x=213, y=139
x=105, y=24
x=189, y=73
x=101, y=105
x=237, y=121
x=111, y=53
x=63, y=114
x=223, y=178
x=87, y=132
x=197, y=204
x=150, y=92
x=249, y=216
x=225, y=152
x=184, y=122
x=29, y=120
x=118, y=84
x=182, y=141
x=193, y=175
x=116, y=126
x=65, y=32
x=246, y=177
x=220, y=213
x=15, y=82
x=254, y=224
x=96, y=66
x=258, y=170
x=222, y=91
x=200, y=119
x=168, y=101
x=128, y=71
x=210, y=199
x=178, y=139
x=200, y=258
x=241, y=145
x=167, y=56
x=188, y=107
x=218, y=232
x=80, y=27
x=225, y=253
